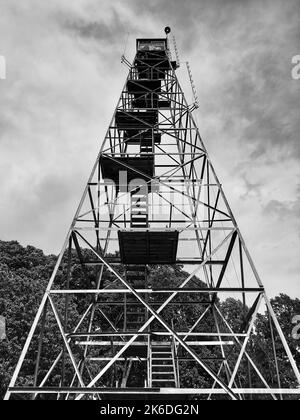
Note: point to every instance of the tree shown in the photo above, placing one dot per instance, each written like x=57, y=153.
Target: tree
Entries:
x=24, y=275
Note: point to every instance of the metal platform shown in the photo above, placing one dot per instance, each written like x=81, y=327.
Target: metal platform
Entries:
x=140, y=87
x=135, y=167
x=148, y=247
x=138, y=120
x=143, y=138
x=145, y=92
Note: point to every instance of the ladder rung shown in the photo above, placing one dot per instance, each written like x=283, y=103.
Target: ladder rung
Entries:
x=137, y=281
x=136, y=275
x=134, y=313
x=163, y=380
x=163, y=373
x=139, y=223
x=159, y=366
x=139, y=209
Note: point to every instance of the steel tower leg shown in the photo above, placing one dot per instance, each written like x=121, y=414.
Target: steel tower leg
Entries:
x=153, y=202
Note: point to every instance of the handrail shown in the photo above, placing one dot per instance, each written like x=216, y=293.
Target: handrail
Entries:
x=174, y=348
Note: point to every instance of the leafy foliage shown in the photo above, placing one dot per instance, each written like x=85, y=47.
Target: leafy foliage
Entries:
x=24, y=275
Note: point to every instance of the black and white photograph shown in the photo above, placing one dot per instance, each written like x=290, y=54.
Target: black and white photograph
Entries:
x=149, y=203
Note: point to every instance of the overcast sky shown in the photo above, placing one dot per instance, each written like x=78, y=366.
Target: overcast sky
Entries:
x=64, y=78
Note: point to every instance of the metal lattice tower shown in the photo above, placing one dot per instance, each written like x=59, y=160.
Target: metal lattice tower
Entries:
x=153, y=200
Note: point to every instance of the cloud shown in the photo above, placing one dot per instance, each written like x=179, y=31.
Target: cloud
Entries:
x=64, y=78
x=105, y=32
x=285, y=210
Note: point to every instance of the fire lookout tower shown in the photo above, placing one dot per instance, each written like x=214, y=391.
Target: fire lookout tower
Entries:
x=153, y=205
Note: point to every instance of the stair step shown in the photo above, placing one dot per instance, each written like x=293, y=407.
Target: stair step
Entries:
x=137, y=276
x=161, y=346
x=158, y=355
x=162, y=373
x=135, y=309
x=134, y=268
x=160, y=366
x=139, y=198
x=139, y=205
x=136, y=281
x=139, y=216
x=163, y=380
x=135, y=313
x=136, y=321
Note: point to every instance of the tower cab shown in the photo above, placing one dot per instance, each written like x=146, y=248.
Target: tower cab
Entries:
x=156, y=45
x=152, y=58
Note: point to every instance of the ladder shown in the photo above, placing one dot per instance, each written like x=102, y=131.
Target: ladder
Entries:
x=163, y=373
x=135, y=314
x=176, y=50
x=139, y=208
x=194, y=90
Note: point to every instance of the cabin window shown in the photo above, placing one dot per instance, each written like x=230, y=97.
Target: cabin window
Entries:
x=152, y=46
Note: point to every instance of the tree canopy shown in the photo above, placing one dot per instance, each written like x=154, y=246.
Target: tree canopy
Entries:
x=25, y=272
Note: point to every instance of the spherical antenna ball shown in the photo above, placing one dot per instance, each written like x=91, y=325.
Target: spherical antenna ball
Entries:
x=167, y=30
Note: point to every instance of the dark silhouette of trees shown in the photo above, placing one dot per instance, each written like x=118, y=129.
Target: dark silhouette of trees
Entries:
x=25, y=272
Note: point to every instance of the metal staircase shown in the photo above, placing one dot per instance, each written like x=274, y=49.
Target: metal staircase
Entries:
x=163, y=372
x=139, y=209
x=135, y=315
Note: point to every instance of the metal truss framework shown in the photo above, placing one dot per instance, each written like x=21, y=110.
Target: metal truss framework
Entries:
x=162, y=189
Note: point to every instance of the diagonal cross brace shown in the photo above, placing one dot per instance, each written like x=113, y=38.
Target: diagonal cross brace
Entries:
x=168, y=328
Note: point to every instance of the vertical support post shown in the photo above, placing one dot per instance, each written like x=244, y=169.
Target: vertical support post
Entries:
x=40, y=346
x=66, y=311
x=283, y=339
